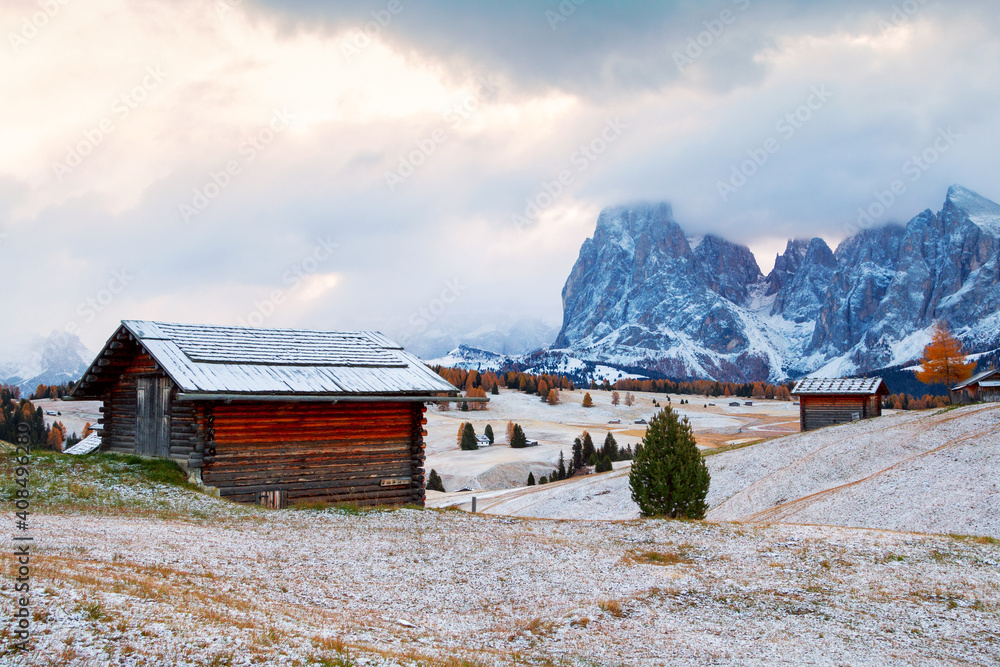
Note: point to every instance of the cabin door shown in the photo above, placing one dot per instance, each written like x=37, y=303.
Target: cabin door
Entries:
x=152, y=417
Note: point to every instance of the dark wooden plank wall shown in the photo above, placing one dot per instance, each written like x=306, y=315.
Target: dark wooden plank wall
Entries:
x=121, y=407
x=345, y=452
x=818, y=411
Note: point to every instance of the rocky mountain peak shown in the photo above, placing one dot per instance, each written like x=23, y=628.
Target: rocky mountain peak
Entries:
x=641, y=294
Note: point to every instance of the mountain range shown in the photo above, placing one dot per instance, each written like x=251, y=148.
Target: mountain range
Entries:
x=642, y=294
x=56, y=359
x=646, y=297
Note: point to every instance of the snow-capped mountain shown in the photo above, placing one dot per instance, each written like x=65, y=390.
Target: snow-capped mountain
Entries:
x=499, y=337
x=57, y=359
x=642, y=294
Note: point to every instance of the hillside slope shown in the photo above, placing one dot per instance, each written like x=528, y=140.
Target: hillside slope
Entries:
x=932, y=471
x=926, y=472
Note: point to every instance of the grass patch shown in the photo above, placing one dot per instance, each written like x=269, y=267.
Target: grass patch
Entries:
x=613, y=607
x=660, y=558
x=101, y=482
x=732, y=448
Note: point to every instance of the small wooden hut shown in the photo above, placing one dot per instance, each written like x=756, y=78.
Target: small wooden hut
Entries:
x=981, y=387
x=269, y=415
x=828, y=401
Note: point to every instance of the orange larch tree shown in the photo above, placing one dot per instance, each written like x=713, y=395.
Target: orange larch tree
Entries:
x=944, y=359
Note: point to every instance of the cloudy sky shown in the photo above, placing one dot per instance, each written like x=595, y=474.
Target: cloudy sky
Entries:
x=347, y=165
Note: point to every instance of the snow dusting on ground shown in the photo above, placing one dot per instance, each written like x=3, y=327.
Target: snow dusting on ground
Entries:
x=412, y=587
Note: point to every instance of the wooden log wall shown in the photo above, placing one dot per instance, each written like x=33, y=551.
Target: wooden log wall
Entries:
x=818, y=411
x=126, y=363
x=120, y=404
x=368, y=453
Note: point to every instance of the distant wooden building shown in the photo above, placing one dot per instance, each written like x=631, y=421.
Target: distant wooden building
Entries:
x=828, y=401
x=982, y=387
x=269, y=415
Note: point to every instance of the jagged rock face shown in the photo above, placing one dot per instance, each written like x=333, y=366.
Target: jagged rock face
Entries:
x=639, y=294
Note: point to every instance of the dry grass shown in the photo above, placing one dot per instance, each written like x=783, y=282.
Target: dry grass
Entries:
x=612, y=607
x=650, y=557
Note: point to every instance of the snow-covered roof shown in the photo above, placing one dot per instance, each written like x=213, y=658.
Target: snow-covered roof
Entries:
x=227, y=362
x=829, y=386
x=977, y=379
x=89, y=444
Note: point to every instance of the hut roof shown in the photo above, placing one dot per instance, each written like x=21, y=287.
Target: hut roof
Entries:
x=840, y=386
x=977, y=378
x=216, y=362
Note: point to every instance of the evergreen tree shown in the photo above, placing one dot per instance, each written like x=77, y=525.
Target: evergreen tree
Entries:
x=577, y=453
x=543, y=480
x=610, y=448
x=531, y=479
x=588, y=449
x=518, y=440
x=495, y=390
x=603, y=465
x=469, y=438
x=588, y=402
x=669, y=477
x=434, y=482
x=465, y=407
x=488, y=432
x=562, y=465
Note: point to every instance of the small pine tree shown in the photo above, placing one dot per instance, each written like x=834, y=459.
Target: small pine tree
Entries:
x=434, y=482
x=603, y=465
x=518, y=440
x=469, y=438
x=669, y=476
x=531, y=479
x=562, y=465
x=543, y=480
x=465, y=407
x=588, y=402
x=610, y=448
x=588, y=449
x=577, y=453
x=488, y=432
x=495, y=390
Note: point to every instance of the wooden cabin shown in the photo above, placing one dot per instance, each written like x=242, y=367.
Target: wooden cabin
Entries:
x=981, y=387
x=829, y=401
x=271, y=416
